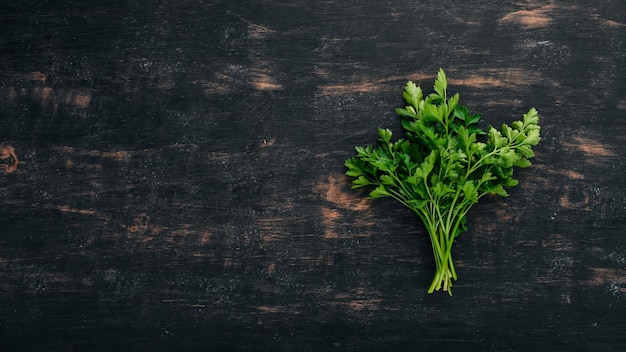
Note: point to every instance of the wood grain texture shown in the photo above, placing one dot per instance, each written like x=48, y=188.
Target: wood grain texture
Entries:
x=171, y=176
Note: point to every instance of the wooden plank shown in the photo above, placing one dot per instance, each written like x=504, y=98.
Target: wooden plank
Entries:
x=171, y=177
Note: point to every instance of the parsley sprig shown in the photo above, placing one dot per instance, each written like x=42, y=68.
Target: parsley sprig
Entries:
x=444, y=165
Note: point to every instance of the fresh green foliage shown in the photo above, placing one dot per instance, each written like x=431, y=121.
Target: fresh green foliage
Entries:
x=444, y=165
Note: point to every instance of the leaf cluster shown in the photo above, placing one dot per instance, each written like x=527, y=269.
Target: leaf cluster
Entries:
x=445, y=162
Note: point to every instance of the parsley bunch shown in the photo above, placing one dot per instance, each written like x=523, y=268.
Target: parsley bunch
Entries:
x=444, y=165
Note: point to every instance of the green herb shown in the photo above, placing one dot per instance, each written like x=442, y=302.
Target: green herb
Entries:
x=444, y=165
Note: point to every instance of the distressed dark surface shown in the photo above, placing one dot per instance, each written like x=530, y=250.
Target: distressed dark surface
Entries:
x=171, y=176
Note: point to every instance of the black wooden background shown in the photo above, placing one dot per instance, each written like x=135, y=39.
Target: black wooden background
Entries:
x=171, y=176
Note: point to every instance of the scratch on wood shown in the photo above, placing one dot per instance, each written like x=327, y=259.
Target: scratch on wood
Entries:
x=125, y=155
x=68, y=209
x=116, y=155
x=334, y=193
x=279, y=309
x=265, y=82
x=571, y=174
x=530, y=19
x=222, y=84
x=33, y=86
x=341, y=199
x=329, y=217
x=590, y=147
x=372, y=86
x=260, y=77
x=559, y=243
x=511, y=78
x=77, y=98
x=361, y=304
x=268, y=309
x=272, y=228
x=552, y=171
x=359, y=87
x=358, y=300
x=607, y=22
x=256, y=31
x=70, y=164
x=35, y=76
x=616, y=278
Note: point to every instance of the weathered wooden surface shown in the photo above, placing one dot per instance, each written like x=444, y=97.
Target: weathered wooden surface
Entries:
x=171, y=176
